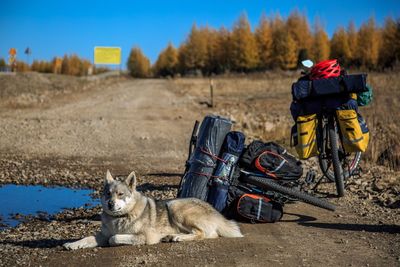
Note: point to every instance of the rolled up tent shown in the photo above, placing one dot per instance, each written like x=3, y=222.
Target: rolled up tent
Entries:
x=203, y=161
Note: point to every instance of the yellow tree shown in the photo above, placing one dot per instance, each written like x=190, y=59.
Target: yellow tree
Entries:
x=193, y=52
x=244, y=46
x=2, y=63
x=138, y=63
x=167, y=62
x=352, y=37
x=64, y=65
x=299, y=29
x=320, y=47
x=223, y=51
x=263, y=34
x=390, y=44
x=368, y=42
x=340, y=48
x=284, y=47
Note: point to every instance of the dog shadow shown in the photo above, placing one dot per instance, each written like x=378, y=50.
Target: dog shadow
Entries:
x=40, y=243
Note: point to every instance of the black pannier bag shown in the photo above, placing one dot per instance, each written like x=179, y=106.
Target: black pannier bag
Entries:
x=247, y=208
x=231, y=150
x=203, y=161
x=272, y=160
x=258, y=208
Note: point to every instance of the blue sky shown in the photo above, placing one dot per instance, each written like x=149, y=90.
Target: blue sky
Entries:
x=52, y=28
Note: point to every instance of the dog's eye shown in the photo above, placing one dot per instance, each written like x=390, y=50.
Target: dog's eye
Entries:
x=120, y=194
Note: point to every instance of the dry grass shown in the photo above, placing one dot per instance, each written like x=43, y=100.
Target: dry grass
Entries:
x=260, y=106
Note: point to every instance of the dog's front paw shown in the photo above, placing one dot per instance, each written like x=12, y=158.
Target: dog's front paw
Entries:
x=172, y=238
x=167, y=238
x=71, y=246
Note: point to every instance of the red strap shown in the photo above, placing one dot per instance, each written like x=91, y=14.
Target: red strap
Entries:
x=212, y=155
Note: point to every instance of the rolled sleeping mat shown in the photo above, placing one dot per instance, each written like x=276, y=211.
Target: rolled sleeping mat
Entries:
x=203, y=160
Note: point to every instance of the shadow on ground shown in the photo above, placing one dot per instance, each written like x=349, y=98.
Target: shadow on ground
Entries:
x=380, y=228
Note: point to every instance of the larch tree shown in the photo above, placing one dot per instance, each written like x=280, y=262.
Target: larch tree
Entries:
x=167, y=62
x=352, y=37
x=263, y=34
x=138, y=64
x=244, y=46
x=320, y=49
x=368, y=43
x=223, y=50
x=390, y=46
x=284, y=47
x=340, y=48
x=193, y=52
x=299, y=29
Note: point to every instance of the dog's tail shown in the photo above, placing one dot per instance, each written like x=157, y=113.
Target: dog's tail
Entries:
x=229, y=229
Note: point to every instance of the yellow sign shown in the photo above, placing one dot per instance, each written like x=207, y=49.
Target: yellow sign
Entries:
x=107, y=55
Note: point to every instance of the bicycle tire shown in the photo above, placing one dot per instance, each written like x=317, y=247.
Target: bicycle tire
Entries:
x=337, y=167
x=323, y=163
x=269, y=184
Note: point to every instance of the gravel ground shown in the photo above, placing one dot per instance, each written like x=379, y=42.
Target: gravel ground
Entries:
x=71, y=138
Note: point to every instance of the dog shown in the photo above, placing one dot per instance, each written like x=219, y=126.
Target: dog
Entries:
x=130, y=218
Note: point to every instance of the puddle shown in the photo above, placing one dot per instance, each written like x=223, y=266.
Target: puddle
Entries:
x=17, y=201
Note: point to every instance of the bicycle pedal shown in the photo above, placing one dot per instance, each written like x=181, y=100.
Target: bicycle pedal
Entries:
x=310, y=177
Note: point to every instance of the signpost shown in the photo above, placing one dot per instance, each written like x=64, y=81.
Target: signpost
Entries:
x=12, y=58
x=28, y=52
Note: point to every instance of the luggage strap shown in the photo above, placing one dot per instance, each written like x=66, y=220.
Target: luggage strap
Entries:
x=212, y=155
x=271, y=173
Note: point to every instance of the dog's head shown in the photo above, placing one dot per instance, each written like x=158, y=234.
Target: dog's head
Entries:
x=119, y=197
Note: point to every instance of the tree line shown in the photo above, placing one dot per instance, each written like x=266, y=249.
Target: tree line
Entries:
x=69, y=65
x=276, y=43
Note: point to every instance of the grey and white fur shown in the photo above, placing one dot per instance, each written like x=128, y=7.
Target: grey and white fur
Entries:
x=130, y=218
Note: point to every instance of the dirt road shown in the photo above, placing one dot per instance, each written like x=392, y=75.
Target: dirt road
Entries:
x=145, y=125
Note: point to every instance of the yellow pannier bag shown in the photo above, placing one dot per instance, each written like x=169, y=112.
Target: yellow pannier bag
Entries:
x=354, y=139
x=306, y=136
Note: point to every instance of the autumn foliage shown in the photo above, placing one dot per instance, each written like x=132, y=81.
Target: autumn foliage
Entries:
x=278, y=43
x=274, y=43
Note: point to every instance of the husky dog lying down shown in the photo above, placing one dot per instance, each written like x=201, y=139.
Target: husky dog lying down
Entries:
x=130, y=218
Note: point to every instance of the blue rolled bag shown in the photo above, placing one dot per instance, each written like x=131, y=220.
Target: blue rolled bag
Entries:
x=219, y=184
x=204, y=159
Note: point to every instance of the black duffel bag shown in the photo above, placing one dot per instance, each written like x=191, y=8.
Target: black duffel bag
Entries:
x=272, y=160
x=344, y=84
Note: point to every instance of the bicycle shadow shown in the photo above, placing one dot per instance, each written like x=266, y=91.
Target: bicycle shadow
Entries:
x=371, y=228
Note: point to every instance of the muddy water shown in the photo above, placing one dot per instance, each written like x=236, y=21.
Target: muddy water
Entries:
x=17, y=202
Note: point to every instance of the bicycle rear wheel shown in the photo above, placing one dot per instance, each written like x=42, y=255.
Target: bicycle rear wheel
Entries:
x=269, y=184
x=337, y=166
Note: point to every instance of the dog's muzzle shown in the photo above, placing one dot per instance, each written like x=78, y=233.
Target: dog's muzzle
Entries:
x=111, y=205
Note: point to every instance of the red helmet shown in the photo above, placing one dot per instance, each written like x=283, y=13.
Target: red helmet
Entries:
x=325, y=69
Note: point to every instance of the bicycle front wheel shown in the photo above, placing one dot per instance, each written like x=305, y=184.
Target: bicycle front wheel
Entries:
x=269, y=184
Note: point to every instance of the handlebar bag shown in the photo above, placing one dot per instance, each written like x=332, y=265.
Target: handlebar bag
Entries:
x=354, y=130
x=258, y=208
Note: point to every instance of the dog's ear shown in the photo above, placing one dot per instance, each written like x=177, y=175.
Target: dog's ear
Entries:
x=131, y=180
x=109, y=177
